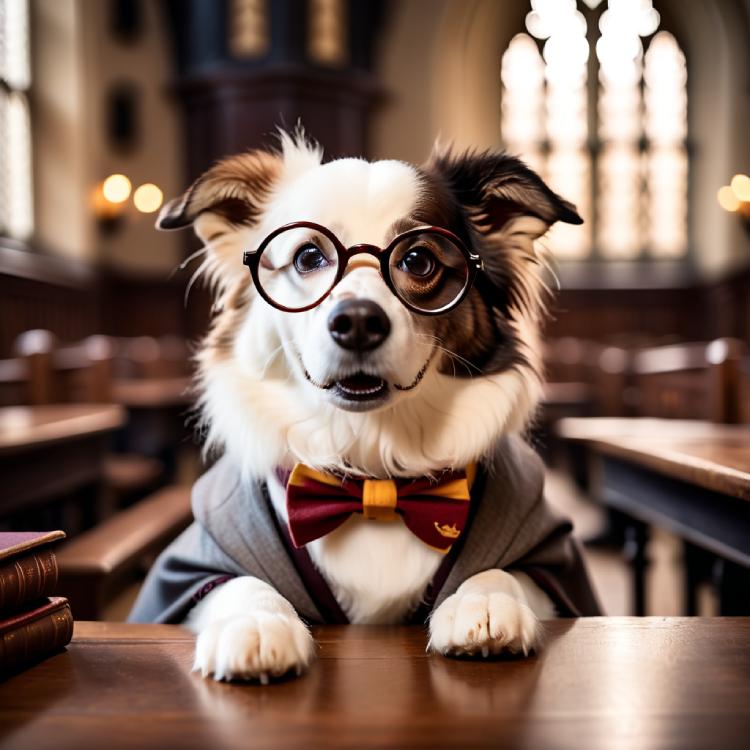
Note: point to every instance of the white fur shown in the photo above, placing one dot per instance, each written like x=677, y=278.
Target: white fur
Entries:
x=263, y=412
x=490, y=612
x=246, y=630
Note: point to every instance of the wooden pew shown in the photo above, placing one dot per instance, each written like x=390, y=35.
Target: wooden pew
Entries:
x=95, y=565
x=83, y=373
x=697, y=380
x=744, y=390
x=13, y=382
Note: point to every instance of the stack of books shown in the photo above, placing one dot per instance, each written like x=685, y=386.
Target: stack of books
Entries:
x=33, y=625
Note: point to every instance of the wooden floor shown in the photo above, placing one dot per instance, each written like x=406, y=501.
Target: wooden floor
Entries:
x=598, y=683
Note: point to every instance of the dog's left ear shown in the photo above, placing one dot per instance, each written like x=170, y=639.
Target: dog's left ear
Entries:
x=501, y=195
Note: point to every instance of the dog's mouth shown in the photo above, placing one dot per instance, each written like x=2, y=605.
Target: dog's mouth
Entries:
x=364, y=389
x=360, y=387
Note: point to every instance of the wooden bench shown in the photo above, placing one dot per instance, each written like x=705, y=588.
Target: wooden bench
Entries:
x=96, y=564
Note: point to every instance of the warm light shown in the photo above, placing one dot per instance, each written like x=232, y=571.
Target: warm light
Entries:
x=740, y=185
x=116, y=188
x=148, y=198
x=727, y=199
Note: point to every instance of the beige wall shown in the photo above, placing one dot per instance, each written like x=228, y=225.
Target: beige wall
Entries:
x=76, y=61
x=440, y=61
x=715, y=35
x=61, y=123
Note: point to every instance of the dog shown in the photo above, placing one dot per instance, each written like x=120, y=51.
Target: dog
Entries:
x=373, y=321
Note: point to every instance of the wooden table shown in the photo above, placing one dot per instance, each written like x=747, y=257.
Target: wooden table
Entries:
x=50, y=451
x=599, y=683
x=692, y=478
x=152, y=392
x=157, y=411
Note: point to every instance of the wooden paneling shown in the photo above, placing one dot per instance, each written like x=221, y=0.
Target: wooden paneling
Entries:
x=633, y=316
x=41, y=291
x=142, y=306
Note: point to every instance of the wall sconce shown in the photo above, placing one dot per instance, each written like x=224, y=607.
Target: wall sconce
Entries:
x=735, y=197
x=111, y=203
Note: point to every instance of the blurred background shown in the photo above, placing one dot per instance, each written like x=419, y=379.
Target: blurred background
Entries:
x=635, y=110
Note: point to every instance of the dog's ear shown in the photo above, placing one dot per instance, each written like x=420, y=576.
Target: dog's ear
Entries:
x=501, y=195
x=233, y=190
x=225, y=199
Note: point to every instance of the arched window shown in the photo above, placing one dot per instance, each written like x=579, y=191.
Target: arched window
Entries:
x=16, y=198
x=604, y=123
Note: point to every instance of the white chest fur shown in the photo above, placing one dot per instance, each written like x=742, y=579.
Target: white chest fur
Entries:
x=376, y=570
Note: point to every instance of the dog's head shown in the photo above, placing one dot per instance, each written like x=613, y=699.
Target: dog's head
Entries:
x=364, y=381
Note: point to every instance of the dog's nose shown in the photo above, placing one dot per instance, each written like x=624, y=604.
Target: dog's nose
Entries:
x=359, y=324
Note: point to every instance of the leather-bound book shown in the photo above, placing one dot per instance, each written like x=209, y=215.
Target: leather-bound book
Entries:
x=34, y=633
x=28, y=568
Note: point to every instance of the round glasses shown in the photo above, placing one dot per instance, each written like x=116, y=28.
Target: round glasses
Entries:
x=428, y=268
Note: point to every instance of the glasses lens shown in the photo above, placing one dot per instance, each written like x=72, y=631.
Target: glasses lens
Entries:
x=429, y=271
x=298, y=267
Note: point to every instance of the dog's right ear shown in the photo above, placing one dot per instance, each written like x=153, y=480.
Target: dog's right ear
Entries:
x=224, y=200
x=229, y=195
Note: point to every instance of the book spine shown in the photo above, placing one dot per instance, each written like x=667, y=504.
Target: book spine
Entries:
x=35, y=640
x=26, y=578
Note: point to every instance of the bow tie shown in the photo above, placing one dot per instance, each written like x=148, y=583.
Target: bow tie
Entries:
x=435, y=510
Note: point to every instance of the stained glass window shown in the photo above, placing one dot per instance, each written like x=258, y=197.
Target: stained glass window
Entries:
x=16, y=197
x=605, y=125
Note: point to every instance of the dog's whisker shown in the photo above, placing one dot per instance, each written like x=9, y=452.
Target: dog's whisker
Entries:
x=438, y=344
x=205, y=264
x=271, y=356
x=185, y=263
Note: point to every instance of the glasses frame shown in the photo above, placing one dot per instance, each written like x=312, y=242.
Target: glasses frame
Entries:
x=251, y=258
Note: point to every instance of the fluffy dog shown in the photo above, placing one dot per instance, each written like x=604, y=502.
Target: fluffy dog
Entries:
x=362, y=383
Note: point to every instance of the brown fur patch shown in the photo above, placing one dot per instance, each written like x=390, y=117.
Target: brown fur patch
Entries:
x=227, y=321
x=476, y=196
x=235, y=188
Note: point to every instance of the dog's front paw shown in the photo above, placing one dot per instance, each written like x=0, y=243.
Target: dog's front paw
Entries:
x=255, y=646
x=479, y=623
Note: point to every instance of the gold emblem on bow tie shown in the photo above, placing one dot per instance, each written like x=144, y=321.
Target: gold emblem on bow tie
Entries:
x=450, y=531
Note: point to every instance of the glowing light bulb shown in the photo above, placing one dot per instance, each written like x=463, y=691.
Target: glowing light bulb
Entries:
x=148, y=198
x=116, y=188
x=740, y=185
x=727, y=199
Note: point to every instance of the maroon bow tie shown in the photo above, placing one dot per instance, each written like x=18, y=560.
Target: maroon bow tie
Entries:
x=435, y=510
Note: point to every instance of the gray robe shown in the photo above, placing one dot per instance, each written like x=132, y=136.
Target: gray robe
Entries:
x=235, y=533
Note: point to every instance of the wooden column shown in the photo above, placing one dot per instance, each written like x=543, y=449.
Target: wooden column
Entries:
x=246, y=67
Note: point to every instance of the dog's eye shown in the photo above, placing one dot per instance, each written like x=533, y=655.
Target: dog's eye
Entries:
x=309, y=258
x=419, y=261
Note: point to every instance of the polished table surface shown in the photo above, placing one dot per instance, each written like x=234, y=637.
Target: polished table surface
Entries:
x=52, y=452
x=598, y=683
x=25, y=428
x=713, y=456
x=157, y=413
